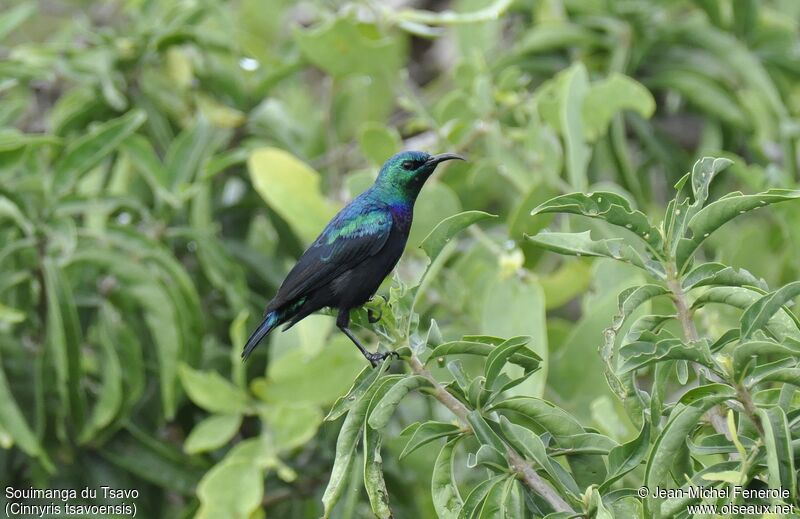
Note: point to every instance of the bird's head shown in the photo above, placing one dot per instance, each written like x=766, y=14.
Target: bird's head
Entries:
x=408, y=170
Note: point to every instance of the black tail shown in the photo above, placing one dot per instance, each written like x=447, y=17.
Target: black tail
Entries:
x=271, y=320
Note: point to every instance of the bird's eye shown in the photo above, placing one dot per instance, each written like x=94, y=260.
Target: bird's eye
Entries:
x=408, y=165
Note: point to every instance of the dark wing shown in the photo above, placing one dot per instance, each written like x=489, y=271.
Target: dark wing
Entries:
x=351, y=237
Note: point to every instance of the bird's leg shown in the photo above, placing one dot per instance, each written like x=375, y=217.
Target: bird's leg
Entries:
x=342, y=322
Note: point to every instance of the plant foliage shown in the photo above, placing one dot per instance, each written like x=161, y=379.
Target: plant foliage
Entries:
x=163, y=163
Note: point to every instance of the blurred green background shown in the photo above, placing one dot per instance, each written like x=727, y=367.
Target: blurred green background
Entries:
x=164, y=162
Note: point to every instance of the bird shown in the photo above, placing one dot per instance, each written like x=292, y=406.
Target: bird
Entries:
x=343, y=268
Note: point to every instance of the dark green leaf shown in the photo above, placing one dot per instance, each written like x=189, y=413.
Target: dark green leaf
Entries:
x=444, y=491
x=626, y=457
x=86, y=152
x=758, y=314
x=426, y=433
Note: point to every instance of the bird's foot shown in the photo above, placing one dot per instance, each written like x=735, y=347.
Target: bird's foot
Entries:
x=377, y=358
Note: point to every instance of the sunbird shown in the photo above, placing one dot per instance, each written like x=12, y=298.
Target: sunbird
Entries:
x=345, y=265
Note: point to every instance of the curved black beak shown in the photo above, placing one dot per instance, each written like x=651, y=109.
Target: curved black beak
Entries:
x=435, y=159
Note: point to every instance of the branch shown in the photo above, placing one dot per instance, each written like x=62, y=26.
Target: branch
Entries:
x=515, y=461
x=715, y=415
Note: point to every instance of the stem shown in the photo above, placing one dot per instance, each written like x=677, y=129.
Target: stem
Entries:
x=749, y=408
x=715, y=415
x=515, y=461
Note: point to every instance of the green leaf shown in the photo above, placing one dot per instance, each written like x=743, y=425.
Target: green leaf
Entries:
x=744, y=352
x=292, y=424
x=785, y=375
x=682, y=422
x=596, y=501
x=344, y=46
x=549, y=416
x=212, y=433
x=9, y=209
x=483, y=432
x=703, y=172
x=717, y=274
x=64, y=340
x=638, y=354
x=575, y=89
x=87, y=151
x=9, y=316
x=489, y=457
x=758, y=314
x=187, y=154
x=444, y=491
x=780, y=455
x=144, y=159
x=331, y=369
x=361, y=384
x=292, y=189
x=606, y=206
x=626, y=457
x=609, y=96
x=584, y=443
x=385, y=408
x=530, y=446
x=16, y=426
x=582, y=244
x=477, y=496
x=213, y=393
x=448, y=228
x=347, y=441
x=378, y=142
x=703, y=92
x=631, y=299
x=781, y=324
x=673, y=506
x=110, y=396
x=549, y=35
x=374, y=483
x=435, y=203
x=716, y=214
x=230, y=490
x=137, y=453
x=499, y=356
x=495, y=504
x=426, y=433
x=516, y=308
x=528, y=361
x=14, y=17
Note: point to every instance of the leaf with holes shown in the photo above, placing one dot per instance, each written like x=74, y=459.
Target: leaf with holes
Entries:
x=610, y=207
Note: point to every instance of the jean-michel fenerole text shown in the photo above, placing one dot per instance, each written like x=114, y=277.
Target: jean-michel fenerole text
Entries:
x=727, y=492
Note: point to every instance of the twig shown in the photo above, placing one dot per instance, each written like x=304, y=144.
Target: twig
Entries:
x=715, y=415
x=515, y=461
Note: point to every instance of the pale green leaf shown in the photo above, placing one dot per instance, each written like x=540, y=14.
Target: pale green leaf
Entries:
x=292, y=189
x=212, y=433
x=213, y=393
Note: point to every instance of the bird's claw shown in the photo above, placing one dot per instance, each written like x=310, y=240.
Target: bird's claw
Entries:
x=377, y=358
